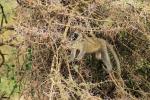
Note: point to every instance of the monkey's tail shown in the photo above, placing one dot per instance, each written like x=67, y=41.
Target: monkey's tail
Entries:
x=117, y=63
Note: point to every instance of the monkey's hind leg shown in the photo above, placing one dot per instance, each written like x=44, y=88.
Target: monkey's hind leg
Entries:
x=98, y=55
x=116, y=58
x=106, y=58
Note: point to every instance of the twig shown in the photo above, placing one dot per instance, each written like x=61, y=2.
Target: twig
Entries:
x=3, y=58
x=7, y=28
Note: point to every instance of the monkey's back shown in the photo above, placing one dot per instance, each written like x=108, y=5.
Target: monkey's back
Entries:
x=89, y=44
x=92, y=45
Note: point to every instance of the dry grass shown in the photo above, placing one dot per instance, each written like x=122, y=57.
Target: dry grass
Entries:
x=44, y=28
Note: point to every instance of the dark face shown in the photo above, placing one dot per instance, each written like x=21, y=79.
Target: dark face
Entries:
x=73, y=36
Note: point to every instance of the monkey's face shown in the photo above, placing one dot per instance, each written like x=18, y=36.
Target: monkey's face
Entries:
x=72, y=36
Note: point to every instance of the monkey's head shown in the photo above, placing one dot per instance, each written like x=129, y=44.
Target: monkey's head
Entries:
x=73, y=36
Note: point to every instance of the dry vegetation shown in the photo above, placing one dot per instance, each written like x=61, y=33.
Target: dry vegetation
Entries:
x=43, y=70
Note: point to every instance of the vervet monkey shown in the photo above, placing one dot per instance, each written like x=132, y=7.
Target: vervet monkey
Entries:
x=94, y=45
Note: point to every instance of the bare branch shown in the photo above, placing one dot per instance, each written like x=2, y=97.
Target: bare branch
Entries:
x=3, y=16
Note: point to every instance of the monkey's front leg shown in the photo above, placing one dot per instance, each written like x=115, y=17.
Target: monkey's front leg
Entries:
x=72, y=55
x=81, y=54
